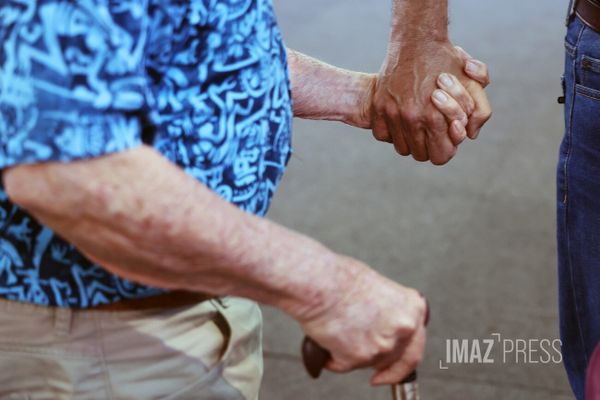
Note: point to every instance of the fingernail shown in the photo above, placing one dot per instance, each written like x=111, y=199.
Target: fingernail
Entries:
x=446, y=80
x=440, y=96
x=472, y=66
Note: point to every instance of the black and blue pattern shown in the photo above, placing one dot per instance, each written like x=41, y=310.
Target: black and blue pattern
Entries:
x=203, y=81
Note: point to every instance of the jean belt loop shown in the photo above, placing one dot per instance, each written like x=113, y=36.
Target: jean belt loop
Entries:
x=62, y=321
x=572, y=6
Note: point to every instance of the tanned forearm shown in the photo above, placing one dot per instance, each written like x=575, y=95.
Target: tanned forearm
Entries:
x=142, y=218
x=417, y=23
x=322, y=91
x=417, y=27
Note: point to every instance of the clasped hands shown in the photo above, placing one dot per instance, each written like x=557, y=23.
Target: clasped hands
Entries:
x=426, y=102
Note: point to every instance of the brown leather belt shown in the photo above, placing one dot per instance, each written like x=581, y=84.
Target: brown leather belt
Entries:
x=174, y=299
x=589, y=13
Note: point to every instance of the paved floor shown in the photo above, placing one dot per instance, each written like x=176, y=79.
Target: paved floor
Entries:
x=477, y=236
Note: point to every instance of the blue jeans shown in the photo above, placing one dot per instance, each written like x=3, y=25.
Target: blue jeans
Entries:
x=578, y=204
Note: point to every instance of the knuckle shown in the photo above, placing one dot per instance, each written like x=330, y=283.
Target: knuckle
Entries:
x=442, y=159
x=406, y=327
x=414, y=361
x=401, y=149
x=391, y=110
x=379, y=104
x=482, y=116
x=436, y=122
x=457, y=142
x=381, y=136
x=488, y=115
x=422, y=303
x=469, y=104
x=439, y=161
x=365, y=356
x=411, y=114
x=387, y=347
x=342, y=367
x=420, y=157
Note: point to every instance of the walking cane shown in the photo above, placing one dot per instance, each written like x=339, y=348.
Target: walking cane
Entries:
x=315, y=357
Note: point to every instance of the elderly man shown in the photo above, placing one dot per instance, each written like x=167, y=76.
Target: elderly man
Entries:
x=142, y=142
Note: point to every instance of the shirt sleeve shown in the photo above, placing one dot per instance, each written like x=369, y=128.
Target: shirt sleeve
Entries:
x=72, y=79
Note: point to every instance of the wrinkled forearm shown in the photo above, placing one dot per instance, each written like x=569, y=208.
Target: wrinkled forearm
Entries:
x=141, y=217
x=324, y=92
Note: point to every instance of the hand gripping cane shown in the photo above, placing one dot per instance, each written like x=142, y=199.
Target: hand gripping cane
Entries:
x=315, y=357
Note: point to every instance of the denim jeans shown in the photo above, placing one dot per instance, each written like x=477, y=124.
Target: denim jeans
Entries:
x=578, y=204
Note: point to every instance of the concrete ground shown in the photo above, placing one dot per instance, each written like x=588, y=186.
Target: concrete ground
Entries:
x=476, y=236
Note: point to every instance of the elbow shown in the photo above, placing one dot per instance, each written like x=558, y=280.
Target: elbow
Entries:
x=38, y=189
x=20, y=186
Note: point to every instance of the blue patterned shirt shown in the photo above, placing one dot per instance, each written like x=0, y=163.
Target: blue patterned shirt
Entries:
x=205, y=82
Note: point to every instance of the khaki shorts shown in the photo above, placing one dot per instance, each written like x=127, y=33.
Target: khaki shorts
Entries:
x=208, y=351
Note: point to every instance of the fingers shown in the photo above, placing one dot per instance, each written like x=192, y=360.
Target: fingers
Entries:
x=457, y=132
x=429, y=134
x=475, y=69
x=448, y=106
x=383, y=335
x=457, y=91
x=404, y=366
x=482, y=113
x=418, y=145
x=409, y=355
x=398, y=139
x=478, y=71
x=454, y=114
x=380, y=130
x=410, y=123
x=441, y=149
x=408, y=143
x=463, y=54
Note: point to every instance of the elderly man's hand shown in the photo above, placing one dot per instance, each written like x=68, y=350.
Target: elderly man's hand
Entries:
x=402, y=111
x=450, y=88
x=373, y=322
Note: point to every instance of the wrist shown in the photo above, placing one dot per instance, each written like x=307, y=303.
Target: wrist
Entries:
x=329, y=282
x=358, y=112
x=416, y=24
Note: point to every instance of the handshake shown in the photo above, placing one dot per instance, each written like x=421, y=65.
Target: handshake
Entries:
x=426, y=113
x=427, y=107
x=425, y=100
